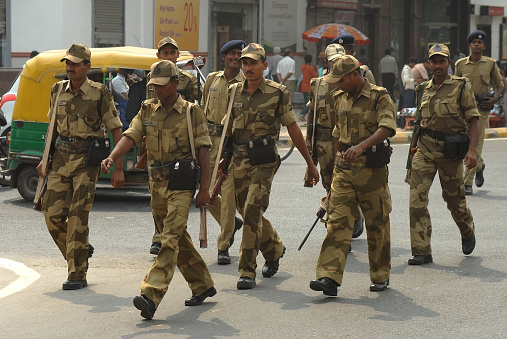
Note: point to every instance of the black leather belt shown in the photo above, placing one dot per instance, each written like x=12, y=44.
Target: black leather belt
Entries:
x=345, y=147
x=70, y=139
x=433, y=134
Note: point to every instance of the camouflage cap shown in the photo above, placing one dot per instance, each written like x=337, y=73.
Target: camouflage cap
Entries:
x=439, y=49
x=167, y=40
x=341, y=66
x=161, y=72
x=253, y=51
x=77, y=53
x=334, y=51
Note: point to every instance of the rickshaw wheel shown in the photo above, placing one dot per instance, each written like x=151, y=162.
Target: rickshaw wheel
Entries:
x=28, y=179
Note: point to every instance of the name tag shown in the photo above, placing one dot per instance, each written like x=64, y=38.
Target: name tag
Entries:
x=320, y=97
x=61, y=103
x=150, y=123
x=237, y=104
x=212, y=88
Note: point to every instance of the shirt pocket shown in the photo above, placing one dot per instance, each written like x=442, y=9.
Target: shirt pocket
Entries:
x=367, y=124
x=87, y=117
x=214, y=101
x=62, y=118
x=342, y=123
x=446, y=108
x=425, y=109
x=180, y=140
x=152, y=136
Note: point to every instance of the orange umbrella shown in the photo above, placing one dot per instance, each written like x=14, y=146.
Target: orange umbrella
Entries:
x=331, y=31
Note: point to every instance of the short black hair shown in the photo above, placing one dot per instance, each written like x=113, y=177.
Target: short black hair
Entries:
x=388, y=51
x=411, y=59
x=308, y=58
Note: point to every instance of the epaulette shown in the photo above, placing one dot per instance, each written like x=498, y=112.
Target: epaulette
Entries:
x=55, y=86
x=380, y=89
x=460, y=60
x=147, y=102
x=102, y=88
x=188, y=75
x=275, y=84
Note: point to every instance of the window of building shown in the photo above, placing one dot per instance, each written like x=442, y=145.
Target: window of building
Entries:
x=109, y=23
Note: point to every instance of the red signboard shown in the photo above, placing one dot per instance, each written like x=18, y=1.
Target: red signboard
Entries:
x=492, y=10
x=338, y=4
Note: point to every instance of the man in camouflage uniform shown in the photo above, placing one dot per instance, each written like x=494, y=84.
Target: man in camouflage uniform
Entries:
x=164, y=123
x=481, y=71
x=365, y=118
x=71, y=183
x=325, y=121
x=447, y=109
x=188, y=88
x=259, y=107
x=348, y=41
x=215, y=108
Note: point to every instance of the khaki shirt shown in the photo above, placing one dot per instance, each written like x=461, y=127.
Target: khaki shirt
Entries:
x=326, y=115
x=77, y=114
x=214, y=93
x=358, y=119
x=480, y=75
x=166, y=132
x=440, y=109
x=187, y=87
x=255, y=116
x=367, y=74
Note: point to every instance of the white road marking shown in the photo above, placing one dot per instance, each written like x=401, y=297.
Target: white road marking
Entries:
x=26, y=277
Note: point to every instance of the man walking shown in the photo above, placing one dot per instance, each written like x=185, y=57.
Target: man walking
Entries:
x=482, y=71
x=447, y=113
x=389, y=72
x=286, y=72
x=215, y=108
x=83, y=109
x=169, y=135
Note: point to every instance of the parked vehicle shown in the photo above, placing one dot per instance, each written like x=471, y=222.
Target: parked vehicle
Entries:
x=7, y=106
x=30, y=121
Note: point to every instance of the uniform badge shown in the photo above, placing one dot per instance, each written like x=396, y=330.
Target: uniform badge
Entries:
x=156, y=71
x=72, y=49
x=250, y=48
x=150, y=123
x=61, y=103
x=237, y=104
x=212, y=88
x=437, y=48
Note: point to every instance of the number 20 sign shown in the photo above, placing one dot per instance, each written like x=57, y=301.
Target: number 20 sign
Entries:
x=178, y=19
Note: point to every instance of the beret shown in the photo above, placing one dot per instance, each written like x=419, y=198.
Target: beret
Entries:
x=233, y=44
x=344, y=39
x=477, y=35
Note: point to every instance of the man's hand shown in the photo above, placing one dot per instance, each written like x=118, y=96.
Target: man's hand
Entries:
x=202, y=197
x=487, y=103
x=470, y=160
x=105, y=165
x=42, y=173
x=118, y=178
x=313, y=174
x=352, y=153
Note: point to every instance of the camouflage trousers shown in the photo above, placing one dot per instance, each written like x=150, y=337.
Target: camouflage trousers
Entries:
x=450, y=172
x=470, y=173
x=325, y=157
x=253, y=186
x=224, y=210
x=355, y=185
x=170, y=209
x=66, y=206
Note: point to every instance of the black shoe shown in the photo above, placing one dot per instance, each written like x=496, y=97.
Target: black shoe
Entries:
x=479, y=176
x=420, y=259
x=199, y=299
x=238, y=223
x=327, y=285
x=155, y=248
x=223, y=257
x=245, y=283
x=358, y=228
x=146, y=306
x=468, y=245
x=469, y=190
x=74, y=284
x=271, y=267
x=91, y=249
x=379, y=287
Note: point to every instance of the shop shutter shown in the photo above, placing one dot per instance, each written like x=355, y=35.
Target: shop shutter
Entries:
x=109, y=24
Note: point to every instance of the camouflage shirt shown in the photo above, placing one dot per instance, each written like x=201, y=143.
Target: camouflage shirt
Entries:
x=77, y=114
x=480, y=74
x=326, y=115
x=440, y=109
x=262, y=113
x=215, y=90
x=358, y=119
x=166, y=132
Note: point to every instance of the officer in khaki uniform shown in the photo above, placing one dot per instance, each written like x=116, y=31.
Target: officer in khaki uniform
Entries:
x=365, y=118
x=71, y=183
x=260, y=106
x=325, y=122
x=215, y=108
x=481, y=71
x=187, y=88
x=448, y=110
x=164, y=123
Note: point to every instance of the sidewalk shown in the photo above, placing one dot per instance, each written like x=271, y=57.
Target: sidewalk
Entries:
x=402, y=136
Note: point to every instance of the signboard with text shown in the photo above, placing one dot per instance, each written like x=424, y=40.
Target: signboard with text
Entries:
x=280, y=24
x=178, y=19
x=338, y=4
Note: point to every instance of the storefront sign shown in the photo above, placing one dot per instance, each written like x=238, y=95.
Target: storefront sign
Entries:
x=338, y=4
x=178, y=19
x=280, y=24
x=492, y=10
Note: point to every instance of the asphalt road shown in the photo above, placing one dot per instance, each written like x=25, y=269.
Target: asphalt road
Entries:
x=457, y=296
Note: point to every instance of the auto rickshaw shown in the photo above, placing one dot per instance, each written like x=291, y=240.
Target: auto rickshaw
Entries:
x=30, y=121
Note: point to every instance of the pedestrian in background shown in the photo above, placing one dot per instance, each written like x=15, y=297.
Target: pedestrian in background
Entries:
x=309, y=73
x=273, y=63
x=389, y=72
x=286, y=72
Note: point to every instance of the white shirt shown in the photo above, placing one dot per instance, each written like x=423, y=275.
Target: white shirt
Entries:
x=407, y=78
x=285, y=66
x=388, y=65
x=120, y=84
